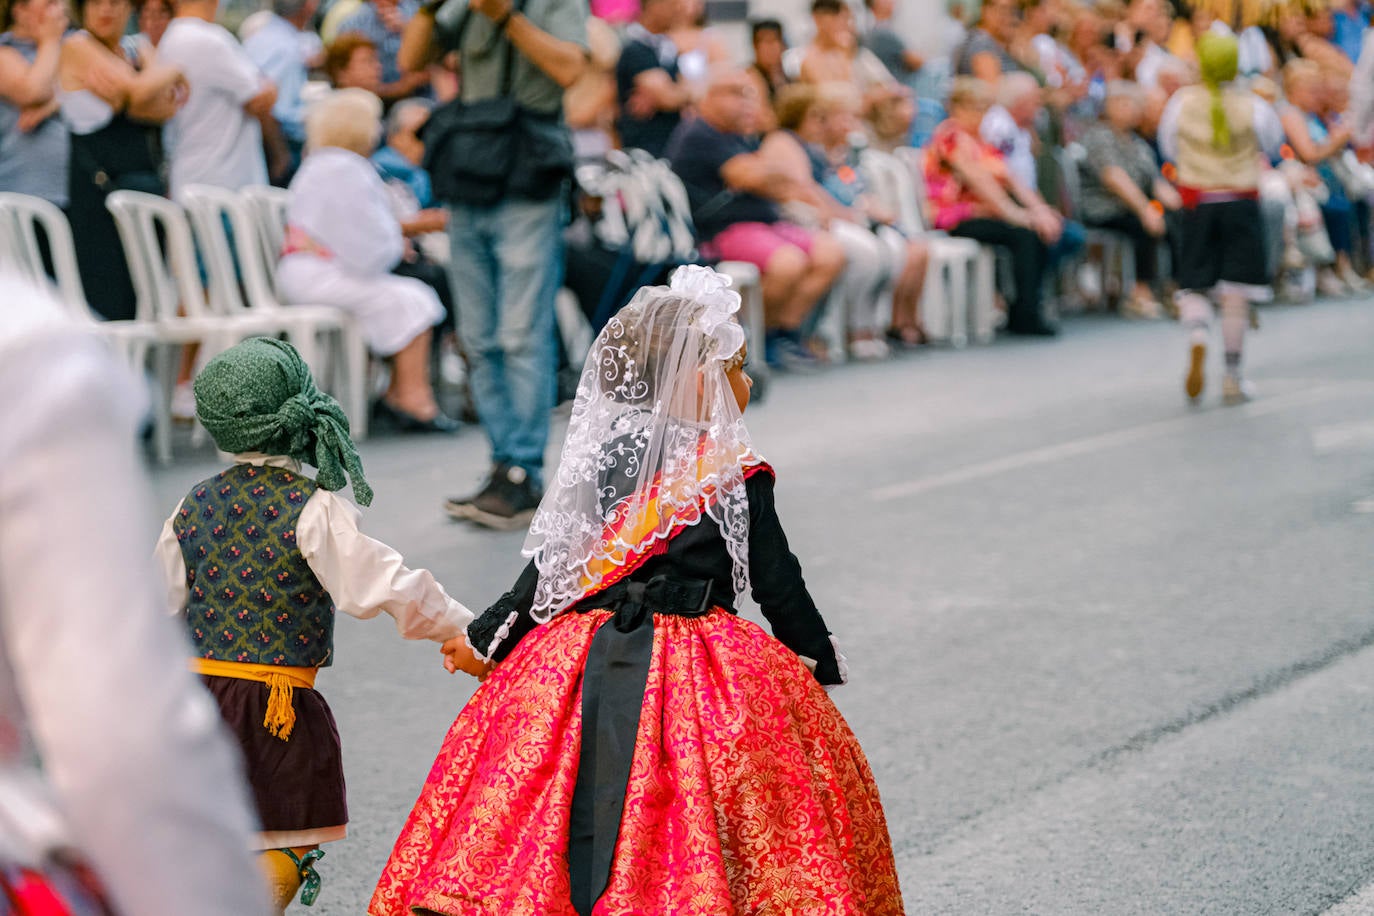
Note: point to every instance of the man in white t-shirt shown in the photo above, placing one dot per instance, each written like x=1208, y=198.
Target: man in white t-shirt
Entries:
x=217, y=138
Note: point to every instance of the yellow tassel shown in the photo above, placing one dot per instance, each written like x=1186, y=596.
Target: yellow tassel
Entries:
x=281, y=715
x=280, y=679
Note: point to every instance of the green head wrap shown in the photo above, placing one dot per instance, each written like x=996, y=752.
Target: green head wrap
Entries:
x=259, y=397
x=1218, y=58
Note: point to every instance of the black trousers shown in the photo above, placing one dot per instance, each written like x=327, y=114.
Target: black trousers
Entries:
x=1029, y=257
x=1146, y=245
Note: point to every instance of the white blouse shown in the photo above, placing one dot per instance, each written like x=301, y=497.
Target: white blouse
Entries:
x=339, y=200
x=363, y=576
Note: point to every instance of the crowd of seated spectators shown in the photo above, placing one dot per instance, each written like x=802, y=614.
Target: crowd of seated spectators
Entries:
x=1036, y=127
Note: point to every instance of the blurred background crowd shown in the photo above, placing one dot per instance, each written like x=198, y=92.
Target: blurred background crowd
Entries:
x=1028, y=128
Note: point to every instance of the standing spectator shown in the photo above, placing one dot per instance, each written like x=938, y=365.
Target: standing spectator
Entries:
x=217, y=139
x=153, y=18
x=835, y=56
x=974, y=195
x=735, y=194
x=589, y=105
x=1124, y=191
x=382, y=22
x=651, y=95
x=889, y=46
x=986, y=53
x=278, y=51
x=769, y=45
x=342, y=242
x=698, y=47
x=33, y=142
x=148, y=787
x=114, y=105
x=507, y=256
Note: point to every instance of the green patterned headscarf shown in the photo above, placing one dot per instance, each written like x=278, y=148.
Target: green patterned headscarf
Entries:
x=259, y=397
x=1218, y=58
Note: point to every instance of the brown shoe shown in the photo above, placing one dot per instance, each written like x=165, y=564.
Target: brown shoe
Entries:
x=1197, y=365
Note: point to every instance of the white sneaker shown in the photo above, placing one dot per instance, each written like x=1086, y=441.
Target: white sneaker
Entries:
x=1328, y=284
x=1089, y=282
x=869, y=350
x=1353, y=280
x=183, y=402
x=1142, y=308
x=1236, y=390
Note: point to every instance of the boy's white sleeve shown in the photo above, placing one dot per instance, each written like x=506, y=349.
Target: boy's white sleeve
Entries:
x=172, y=565
x=365, y=576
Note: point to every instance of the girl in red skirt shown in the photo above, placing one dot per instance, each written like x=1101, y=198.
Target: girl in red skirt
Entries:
x=639, y=748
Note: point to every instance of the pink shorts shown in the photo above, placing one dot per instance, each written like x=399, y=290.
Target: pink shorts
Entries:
x=755, y=243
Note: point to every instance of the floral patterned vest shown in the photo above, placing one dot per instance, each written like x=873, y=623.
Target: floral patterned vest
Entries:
x=253, y=598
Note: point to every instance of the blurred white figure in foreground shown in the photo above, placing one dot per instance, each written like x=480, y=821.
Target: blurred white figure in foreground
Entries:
x=136, y=775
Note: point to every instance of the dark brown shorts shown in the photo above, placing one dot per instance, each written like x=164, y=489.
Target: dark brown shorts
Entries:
x=297, y=784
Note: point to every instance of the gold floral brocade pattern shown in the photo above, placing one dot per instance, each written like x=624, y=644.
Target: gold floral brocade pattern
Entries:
x=748, y=792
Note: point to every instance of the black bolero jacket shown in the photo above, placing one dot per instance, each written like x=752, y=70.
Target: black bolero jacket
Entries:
x=698, y=552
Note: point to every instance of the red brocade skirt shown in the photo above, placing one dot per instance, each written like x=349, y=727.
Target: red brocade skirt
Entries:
x=748, y=793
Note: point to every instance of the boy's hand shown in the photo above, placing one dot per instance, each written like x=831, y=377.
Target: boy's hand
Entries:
x=458, y=656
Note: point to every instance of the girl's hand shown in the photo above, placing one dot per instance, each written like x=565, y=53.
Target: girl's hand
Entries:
x=458, y=656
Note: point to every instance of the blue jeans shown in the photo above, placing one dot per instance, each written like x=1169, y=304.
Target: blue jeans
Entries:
x=506, y=266
x=1071, y=242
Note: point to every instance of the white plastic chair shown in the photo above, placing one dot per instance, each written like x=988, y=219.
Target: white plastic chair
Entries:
x=243, y=260
x=22, y=219
x=958, y=299
x=645, y=204
x=268, y=208
x=170, y=299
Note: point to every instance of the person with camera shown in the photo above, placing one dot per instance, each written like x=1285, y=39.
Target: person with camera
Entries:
x=500, y=157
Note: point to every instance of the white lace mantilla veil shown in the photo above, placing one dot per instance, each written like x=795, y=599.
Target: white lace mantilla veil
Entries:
x=655, y=441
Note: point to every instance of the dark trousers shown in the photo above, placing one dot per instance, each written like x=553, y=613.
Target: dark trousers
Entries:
x=1146, y=245
x=1029, y=258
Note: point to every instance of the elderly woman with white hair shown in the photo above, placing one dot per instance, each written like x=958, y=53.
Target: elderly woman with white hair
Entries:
x=1124, y=190
x=343, y=240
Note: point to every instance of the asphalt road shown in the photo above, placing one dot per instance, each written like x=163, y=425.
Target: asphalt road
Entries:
x=1110, y=654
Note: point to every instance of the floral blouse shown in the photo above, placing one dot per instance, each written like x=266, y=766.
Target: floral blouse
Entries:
x=951, y=201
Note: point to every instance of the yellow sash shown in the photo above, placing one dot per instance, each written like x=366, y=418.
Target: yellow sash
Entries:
x=281, y=716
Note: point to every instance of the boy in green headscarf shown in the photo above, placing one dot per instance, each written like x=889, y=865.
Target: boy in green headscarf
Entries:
x=257, y=559
x=1217, y=134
